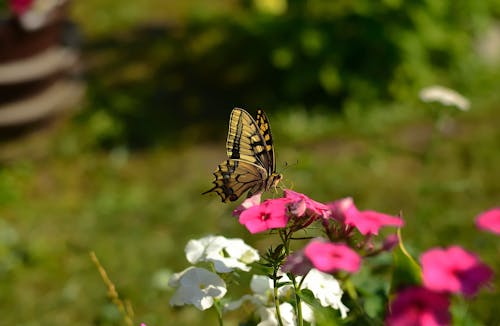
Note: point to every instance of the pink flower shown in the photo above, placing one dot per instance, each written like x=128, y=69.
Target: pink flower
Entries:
x=301, y=204
x=329, y=257
x=271, y=214
x=247, y=203
x=489, y=220
x=454, y=270
x=343, y=208
x=367, y=222
x=419, y=306
x=20, y=6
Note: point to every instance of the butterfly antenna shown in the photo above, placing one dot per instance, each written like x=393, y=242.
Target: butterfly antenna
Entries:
x=286, y=165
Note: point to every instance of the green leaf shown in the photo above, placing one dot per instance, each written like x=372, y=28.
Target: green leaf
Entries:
x=325, y=316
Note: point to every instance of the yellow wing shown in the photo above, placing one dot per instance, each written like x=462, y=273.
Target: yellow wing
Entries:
x=234, y=177
x=246, y=142
x=250, y=165
x=265, y=131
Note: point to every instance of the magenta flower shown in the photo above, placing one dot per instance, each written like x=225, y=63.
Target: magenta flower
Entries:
x=271, y=214
x=329, y=257
x=20, y=6
x=367, y=222
x=489, y=220
x=454, y=270
x=419, y=306
x=300, y=204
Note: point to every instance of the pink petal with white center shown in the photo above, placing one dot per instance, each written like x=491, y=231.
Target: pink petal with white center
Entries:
x=270, y=214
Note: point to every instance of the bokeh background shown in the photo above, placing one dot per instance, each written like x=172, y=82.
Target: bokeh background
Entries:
x=122, y=175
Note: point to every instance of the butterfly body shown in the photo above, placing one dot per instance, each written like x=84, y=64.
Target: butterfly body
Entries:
x=250, y=165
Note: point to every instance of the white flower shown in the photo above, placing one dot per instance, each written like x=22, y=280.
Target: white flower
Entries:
x=268, y=315
x=196, y=286
x=262, y=288
x=444, y=96
x=262, y=298
x=225, y=254
x=326, y=289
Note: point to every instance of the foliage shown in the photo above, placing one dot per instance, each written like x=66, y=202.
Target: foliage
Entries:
x=312, y=55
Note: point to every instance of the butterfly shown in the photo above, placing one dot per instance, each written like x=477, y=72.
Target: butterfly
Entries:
x=250, y=165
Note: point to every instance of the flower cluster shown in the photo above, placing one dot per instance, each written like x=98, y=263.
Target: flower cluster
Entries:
x=276, y=295
x=325, y=288
x=339, y=220
x=203, y=288
x=445, y=272
x=298, y=211
x=347, y=237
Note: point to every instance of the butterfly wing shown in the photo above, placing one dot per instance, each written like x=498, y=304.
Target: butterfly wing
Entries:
x=245, y=141
x=235, y=177
x=250, y=164
x=265, y=131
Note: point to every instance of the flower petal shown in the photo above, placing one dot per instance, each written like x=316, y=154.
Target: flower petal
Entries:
x=489, y=220
x=270, y=214
x=454, y=270
x=225, y=254
x=326, y=289
x=329, y=257
x=301, y=204
x=419, y=306
x=196, y=286
x=247, y=203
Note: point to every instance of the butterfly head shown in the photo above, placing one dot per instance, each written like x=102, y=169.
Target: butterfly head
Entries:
x=273, y=180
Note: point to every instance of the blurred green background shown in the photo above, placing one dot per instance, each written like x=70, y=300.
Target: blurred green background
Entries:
x=339, y=81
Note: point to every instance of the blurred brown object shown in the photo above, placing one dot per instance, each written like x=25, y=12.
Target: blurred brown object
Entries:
x=39, y=69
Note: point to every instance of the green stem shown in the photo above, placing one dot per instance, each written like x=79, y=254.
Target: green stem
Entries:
x=296, y=289
x=218, y=310
x=275, y=293
x=286, y=242
x=437, y=116
x=286, y=237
